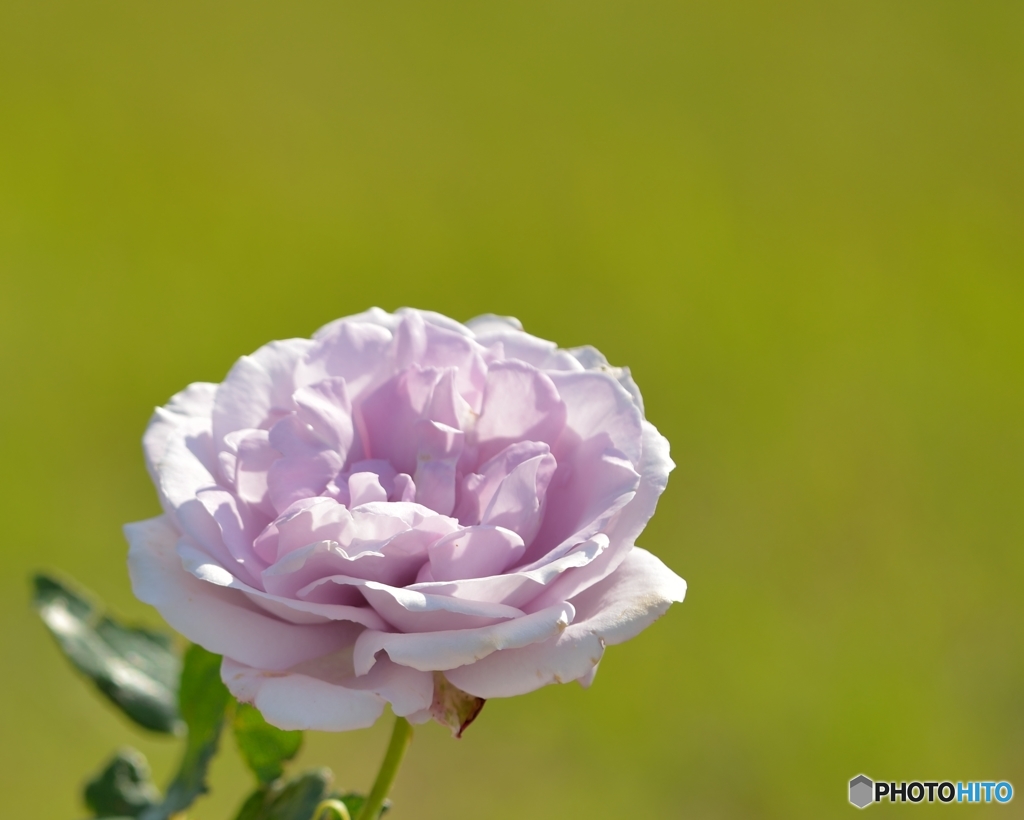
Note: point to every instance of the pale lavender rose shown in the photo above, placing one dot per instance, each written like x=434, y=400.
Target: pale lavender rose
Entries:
x=399, y=506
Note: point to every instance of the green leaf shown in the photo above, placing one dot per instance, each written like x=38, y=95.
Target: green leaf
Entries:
x=203, y=700
x=123, y=788
x=298, y=798
x=134, y=667
x=265, y=748
x=294, y=799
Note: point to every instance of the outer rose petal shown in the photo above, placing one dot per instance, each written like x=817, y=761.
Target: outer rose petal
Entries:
x=257, y=385
x=457, y=647
x=291, y=701
x=610, y=612
x=314, y=696
x=295, y=611
x=598, y=406
x=179, y=447
x=222, y=620
x=655, y=465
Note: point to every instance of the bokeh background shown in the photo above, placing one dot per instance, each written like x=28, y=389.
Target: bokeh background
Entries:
x=799, y=223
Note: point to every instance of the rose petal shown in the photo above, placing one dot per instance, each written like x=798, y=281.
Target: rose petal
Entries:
x=518, y=502
x=520, y=403
x=290, y=609
x=364, y=488
x=612, y=611
x=438, y=450
x=178, y=445
x=292, y=701
x=522, y=587
x=558, y=659
x=474, y=552
x=295, y=478
x=516, y=344
x=352, y=349
x=479, y=487
x=423, y=341
x=256, y=387
x=222, y=620
x=389, y=416
x=411, y=611
x=586, y=491
x=325, y=408
x=592, y=359
x=448, y=649
x=597, y=406
x=239, y=525
x=254, y=459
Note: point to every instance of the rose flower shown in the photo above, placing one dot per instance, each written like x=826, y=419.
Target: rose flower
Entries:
x=404, y=510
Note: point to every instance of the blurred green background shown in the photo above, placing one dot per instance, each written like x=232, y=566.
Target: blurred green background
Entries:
x=799, y=223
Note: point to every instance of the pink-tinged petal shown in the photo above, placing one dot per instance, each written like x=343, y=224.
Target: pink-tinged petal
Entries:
x=444, y=650
x=623, y=527
x=254, y=459
x=302, y=568
x=478, y=488
x=560, y=659
x=592, y=359
x=411, y=611
x=405, y=488
x=438, y=450
x=295, y=478
x=364, y=488
x=377, y=522
x=179, y=451
x=239, y=525
x=586, y=491
x=435, y=319
x=424, y=342
x=629, y=600
x=384, y=542
x=395, y=563
x=221, y=620
x=293, y=701
x=352, y=349
x=290, y=436
x=447, y=406
x=475, y=552
x=491, y=330
x=407, y=690
x=612, y=611
x=389, y=415
x=520, y=403
x=258, y=388
x=522, y=588
x=306, y=521
x=654, y=466
x=599, y=407
x=518, y=502
x=325, y=408
x=313, y=519
x=287, y=608
x=385, y=473
x=487, y=323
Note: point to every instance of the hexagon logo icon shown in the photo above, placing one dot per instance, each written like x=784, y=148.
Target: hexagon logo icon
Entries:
x=862, y=791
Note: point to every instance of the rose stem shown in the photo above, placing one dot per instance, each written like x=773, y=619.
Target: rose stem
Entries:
x=401, y=736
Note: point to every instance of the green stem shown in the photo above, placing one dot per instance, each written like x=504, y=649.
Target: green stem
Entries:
x=401, y=736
